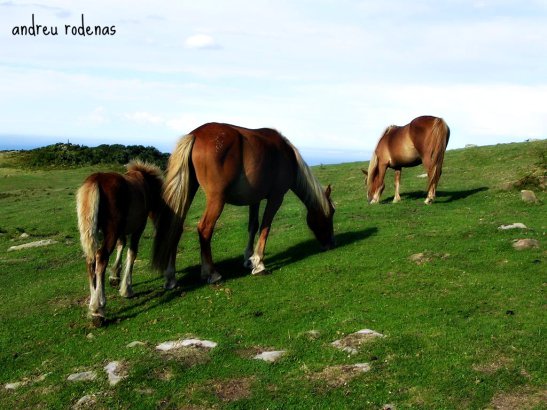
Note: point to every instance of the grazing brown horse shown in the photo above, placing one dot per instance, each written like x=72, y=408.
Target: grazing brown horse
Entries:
x=424, y=139
x=118, y=206
x=237, y=166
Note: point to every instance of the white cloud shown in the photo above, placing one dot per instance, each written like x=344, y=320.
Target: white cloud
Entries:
x=97, y=117
x=184, y=123
x=201, y=42
x=143, y=117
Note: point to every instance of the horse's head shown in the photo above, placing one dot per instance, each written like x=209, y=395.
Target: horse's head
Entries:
x=320, y=221
x=374, y=184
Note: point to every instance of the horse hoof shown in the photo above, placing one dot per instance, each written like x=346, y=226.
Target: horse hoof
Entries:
x=428, y=201
x=114, y=282
x=263, y=272
x=214, y=278
x=98, y=321
x=127, y=294
x=170, y=284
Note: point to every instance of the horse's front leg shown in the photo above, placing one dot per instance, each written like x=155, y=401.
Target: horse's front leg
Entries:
x=206, y=227
x=114, y=278
x=257, y=259
x=126, y=287
x=397, y=197
x=379, y=182
x=253, y=229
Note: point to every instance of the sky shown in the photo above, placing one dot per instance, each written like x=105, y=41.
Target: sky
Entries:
x=330, y=75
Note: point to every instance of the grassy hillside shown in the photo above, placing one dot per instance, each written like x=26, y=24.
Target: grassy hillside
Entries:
x=464, y=323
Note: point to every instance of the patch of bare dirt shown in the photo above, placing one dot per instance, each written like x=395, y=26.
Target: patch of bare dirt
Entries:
x=424, y=257
x=522, y=400
x=164, y=374
x=65, y=302
x=339, y=376
x=352, y=343
x=521, y=244
x=233, y=389
x=493, y=366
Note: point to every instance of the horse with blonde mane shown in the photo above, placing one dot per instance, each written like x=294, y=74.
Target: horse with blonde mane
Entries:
x=117, y=206
x=238, y=166
x=423, y=140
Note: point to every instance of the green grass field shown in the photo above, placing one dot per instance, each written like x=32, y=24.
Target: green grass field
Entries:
x=464, y=326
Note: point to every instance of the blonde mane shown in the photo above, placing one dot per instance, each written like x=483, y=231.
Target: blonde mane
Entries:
x=307, y=187
x=145, y=168
x=371, y=168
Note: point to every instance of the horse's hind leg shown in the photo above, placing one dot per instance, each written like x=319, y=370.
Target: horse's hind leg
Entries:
x=126, y=287
x=90, y=265
x=433, y=178
x=253, y=228
x=169, y=274
x=97, y=303
x=116, y=269
x=206, y=226
x=397, y=197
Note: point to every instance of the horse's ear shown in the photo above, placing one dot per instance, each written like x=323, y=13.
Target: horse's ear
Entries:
x=328, y=191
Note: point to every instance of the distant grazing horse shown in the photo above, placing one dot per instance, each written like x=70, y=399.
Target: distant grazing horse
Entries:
x=423, y=140
x=117, y=206
x=237, y=166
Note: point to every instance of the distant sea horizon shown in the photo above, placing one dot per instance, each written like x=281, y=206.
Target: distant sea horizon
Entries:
x=312, y=156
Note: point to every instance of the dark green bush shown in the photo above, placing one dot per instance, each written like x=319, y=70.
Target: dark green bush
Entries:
x=73, y=155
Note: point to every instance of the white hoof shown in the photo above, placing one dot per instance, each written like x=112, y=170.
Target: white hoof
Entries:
x=261, y=272
x=428, y=201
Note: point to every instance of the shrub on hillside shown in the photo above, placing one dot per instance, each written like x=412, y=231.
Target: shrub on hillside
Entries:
x=70, y=155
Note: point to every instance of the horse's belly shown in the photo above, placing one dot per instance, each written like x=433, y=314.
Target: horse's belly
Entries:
x=243, y=194
x=247, y=191
x=406, y=156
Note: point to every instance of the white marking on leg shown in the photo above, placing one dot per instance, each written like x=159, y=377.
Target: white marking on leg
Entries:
x=93, y=305
x=116, y=268
x=126, y=287
x=258, y=264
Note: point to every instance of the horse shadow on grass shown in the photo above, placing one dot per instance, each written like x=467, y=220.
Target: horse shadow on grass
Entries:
x=230, y=269
x=441, y=196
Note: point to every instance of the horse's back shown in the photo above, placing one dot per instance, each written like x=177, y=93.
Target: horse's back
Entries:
x=241, y=164
x=123, y=203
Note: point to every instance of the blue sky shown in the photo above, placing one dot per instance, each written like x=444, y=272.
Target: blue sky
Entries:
x=330, y=75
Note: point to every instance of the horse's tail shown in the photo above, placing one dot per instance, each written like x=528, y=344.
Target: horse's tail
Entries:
x=439, y=140
x=87, y=208
x=177, y=194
